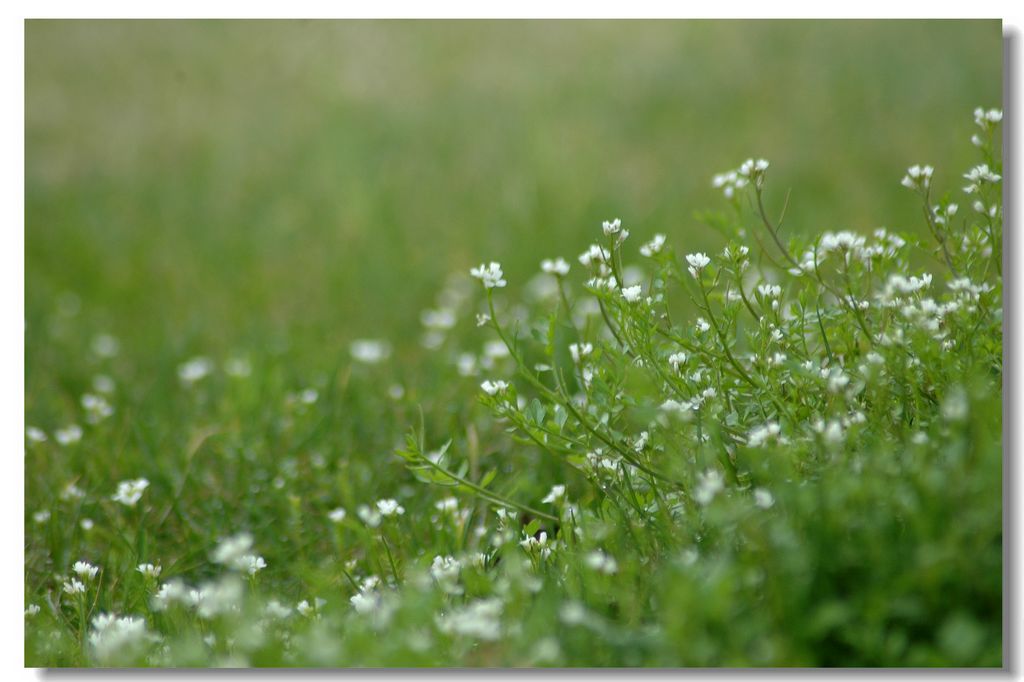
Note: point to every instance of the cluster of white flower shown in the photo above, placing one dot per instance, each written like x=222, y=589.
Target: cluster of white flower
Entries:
x=558, y=267
x=614, y=228
x=653, y=247
x=493, y=388
x=130, y=492
x=918, y=177
x=491, y=275
x=115, y=638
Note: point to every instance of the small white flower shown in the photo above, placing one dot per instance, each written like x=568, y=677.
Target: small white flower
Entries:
x=762, y=434
x=482, y=319
x=449, y=505
x=390, y=507
x=370, y=517
x=677, y=360
x=556, y=494
x=610, y=227
x=69, y=435
x=697, y=261
x=74, y=586
x=129, y=492
x=195, y=369
x=601, y=562
x=85, y=570
x=31, y=610
x=149, y=570
x=558, y=266
x=654, y=246
x=702, y=325
x=72, y=492
x=35, y=435
x=369, y=351
x=490, y=275
x=337, y=515
x=580, y=351
x=494, y=387
x=763, y=498
x=709, y=484
x=632, y=294
x=232, y=549
x=86, y=524
x=250, y=563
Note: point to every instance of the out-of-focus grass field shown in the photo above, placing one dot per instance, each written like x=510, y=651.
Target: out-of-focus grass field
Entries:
x=201, y=185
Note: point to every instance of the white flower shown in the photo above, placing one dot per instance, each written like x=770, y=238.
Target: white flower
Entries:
x=249, y=563
x=173, y=591
x=449, y=505
x=677, y=360
x=558, y=266
x=556, y=494
x=490, y=275
x=632, y=294
x=580, y=351
x=195, y=369
x=769, y=290
x=760, y=435
x=232, y=549
x=31, y=610
x=611, y=227
x=697, y=261
x=364, y=602
x=390, y=507
x=96, y=407
x=482, y=319
x=72, y=492
x=536, y=544
x=35, y=435
x=918, y=177
x=480, y=619
x=275, y=609
x=74, y=586
x=442, y=318
x=149, y=570
x=955, y=407
x=494, y=387
x=370, y=517
x=114, y=639
x=595, y=255
x=709, y=484
x=86, y=524
x=129, y=492
x=654, y=246
x=85, y=570
x=337, y=515
x=41, y=516
x=445, y=570
x=837, y=381
x=702, y=325
x=307, y=609
x=601, y=562
x=369, y=351
x=763, y=498
x=69, y=435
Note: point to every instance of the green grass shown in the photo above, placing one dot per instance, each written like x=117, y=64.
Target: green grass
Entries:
x=276, y=190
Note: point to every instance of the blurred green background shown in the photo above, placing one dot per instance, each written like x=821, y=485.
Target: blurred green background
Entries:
x=203, y=186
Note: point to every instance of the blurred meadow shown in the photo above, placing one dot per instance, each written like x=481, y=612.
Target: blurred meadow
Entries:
x=274, y=190
x=200, y=185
